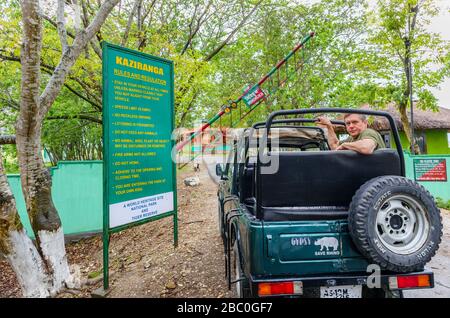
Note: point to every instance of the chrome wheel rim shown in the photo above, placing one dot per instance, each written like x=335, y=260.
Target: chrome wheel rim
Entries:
x=402, y=224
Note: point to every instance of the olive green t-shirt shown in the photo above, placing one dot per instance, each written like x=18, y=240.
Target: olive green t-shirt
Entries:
x=368, y=134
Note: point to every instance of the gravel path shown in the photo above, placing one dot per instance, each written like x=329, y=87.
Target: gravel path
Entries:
x=143, y=260
x=440, y=265
x=196, y=267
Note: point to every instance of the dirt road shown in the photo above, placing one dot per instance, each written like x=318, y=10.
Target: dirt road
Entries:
x=440, y=265
x=195, y=268
x=144, y=262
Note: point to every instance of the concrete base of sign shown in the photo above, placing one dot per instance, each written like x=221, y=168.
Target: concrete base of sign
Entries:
x=100, y=293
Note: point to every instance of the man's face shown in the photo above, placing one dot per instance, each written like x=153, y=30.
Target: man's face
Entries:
x=355, y=125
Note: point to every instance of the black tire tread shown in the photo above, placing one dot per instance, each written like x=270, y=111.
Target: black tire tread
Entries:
x=245, y=292
x=360, y=207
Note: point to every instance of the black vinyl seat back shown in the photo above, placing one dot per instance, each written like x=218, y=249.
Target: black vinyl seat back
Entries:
x=247, y=182
x=323, y=178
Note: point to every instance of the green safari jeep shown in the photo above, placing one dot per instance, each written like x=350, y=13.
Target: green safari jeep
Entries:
x=299, y=220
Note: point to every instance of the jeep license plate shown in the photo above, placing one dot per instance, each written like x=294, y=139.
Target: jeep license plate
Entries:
x=341, y=292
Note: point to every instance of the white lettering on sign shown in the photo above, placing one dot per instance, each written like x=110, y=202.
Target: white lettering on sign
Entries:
x=138, y=209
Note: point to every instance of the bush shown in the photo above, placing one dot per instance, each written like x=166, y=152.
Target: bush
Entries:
x=443, y=204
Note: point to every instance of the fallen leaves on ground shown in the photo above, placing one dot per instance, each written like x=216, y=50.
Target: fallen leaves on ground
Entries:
x=143, y=260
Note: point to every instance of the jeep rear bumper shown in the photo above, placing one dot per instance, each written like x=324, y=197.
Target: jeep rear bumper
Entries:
x=387, y=280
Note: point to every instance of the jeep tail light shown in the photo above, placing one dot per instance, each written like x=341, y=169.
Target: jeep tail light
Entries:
x=413, y=281
x=280, y=288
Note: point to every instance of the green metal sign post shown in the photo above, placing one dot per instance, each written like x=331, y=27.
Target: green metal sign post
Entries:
x=139, y=175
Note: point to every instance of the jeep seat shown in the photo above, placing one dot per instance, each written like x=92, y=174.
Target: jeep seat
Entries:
x=320, y=185
x=247, y=182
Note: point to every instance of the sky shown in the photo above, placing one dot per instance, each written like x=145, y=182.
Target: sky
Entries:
x=441, y=24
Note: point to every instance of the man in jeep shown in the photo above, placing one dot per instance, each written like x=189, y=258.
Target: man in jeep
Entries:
x=362, y=139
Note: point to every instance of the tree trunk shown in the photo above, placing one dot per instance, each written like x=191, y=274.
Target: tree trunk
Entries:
x=407, y=128
x=17, y=247
x=407, y=94
x=405, y=121
x=35, y=179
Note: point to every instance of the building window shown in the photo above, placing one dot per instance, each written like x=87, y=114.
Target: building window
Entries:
x=387, y=139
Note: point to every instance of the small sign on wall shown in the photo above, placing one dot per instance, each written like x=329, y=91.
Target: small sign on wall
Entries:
x=430, y=170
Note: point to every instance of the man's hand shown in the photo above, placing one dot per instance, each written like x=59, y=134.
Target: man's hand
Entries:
x=323, y=122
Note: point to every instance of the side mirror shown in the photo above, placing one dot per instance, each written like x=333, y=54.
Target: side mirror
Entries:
x=219, y=171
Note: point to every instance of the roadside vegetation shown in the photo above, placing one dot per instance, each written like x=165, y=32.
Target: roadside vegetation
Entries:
x=443, y=204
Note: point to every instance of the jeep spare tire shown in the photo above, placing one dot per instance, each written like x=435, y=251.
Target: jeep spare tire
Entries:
x=395, y=223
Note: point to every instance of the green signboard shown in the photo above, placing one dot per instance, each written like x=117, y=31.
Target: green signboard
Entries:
x=430, y=170
x=138, y=120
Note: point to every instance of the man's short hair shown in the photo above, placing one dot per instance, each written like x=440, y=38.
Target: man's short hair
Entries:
x=362, y=116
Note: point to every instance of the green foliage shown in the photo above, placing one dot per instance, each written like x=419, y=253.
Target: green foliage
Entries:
x=390, y=26
x=10, y=161
x=443, y=204
x=354, y=58
x=95, y=274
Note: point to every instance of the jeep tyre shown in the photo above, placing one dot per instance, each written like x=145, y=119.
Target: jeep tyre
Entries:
x=220, y=219
x=242, y=289
x=395, y=223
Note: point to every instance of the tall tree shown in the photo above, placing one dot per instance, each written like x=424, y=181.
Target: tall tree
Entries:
x=401, y=40
x=43, y=271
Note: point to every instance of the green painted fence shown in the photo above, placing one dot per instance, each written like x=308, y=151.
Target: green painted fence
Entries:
x=78, y=193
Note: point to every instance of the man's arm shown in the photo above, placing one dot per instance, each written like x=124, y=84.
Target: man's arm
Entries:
x=324, y=122
x=364, y=146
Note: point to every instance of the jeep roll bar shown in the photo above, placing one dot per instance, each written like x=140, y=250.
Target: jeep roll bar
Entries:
x=270, y=121
x=294, y=120
x=392, y=124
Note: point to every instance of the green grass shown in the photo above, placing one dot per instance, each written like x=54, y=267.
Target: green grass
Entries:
x=95, y=274
x=11, y=168
x=443, y=204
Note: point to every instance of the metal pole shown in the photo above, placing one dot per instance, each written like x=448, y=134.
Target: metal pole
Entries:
x=106, y=237
x=261, y=81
